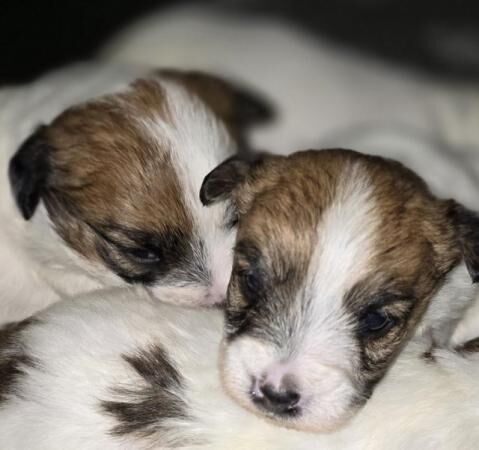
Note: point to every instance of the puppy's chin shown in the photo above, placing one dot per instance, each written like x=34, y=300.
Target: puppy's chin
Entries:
x=305, y=424
x=190, y=295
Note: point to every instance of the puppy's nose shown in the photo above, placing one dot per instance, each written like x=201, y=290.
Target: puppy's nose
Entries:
x=278, y=401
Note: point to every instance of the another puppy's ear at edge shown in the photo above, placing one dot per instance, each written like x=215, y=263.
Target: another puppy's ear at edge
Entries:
x=466, y=223
x=249, y=107
x=28, y=171
x=220, y=183
x=237, y=105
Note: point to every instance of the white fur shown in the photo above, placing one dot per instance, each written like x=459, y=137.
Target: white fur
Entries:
x=78, y=345
x=36, y=267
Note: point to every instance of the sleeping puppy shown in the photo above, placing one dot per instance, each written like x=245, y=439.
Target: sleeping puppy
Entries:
x=107, y=193
x=116, y=370
x=340, y=258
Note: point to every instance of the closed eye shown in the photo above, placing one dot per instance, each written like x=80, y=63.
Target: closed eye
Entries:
x=142, y=255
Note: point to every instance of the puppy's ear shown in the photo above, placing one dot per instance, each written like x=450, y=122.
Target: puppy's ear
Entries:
x=28, y=171
x=237, y=106
x=220, y=183
x=466, y=223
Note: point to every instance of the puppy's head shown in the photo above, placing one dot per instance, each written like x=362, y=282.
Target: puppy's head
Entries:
x=338, y=255
x=119, y=177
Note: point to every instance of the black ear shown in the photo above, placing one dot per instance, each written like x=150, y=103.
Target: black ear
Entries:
x=221, y=181
x=28, y=171
x=467, y=226
x=249, y=107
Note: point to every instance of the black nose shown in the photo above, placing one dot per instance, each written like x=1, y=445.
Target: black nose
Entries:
x=277, y=401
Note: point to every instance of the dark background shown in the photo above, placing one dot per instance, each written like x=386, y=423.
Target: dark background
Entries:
x=440, y=36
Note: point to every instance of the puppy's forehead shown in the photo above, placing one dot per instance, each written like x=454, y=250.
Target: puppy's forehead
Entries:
x=347, y=213
x=288, y=199
x=111, y=166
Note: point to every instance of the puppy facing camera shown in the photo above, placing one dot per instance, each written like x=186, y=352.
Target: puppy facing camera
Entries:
x=108, y=193
x=340, y=258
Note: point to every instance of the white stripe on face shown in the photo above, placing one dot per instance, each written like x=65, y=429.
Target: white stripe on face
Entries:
x=195, y=150
x=340, y=259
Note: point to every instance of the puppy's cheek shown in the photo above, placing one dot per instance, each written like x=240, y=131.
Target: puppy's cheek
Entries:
x=325, y=406
x=199, y=291
x=315, y=420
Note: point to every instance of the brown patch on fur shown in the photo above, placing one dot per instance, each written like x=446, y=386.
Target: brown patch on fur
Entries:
x=12, y=356
x=106, y=171
x=416, y=244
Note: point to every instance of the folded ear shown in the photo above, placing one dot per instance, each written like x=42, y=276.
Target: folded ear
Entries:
x=220, y=182
x=466, y=223
x=237, y=106
x=231, y=174
x=28, y=171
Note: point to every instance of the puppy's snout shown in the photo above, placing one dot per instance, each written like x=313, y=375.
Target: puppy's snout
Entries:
x=282, y=400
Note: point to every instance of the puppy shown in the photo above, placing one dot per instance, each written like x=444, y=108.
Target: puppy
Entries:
x=340, y=258
x=117, y=370
x=107, y=193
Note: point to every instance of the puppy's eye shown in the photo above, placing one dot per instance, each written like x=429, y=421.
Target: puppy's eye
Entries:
x=251, y=281
x=143, y=256
x=375, y=323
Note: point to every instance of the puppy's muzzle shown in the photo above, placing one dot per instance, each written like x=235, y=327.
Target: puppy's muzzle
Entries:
x=281, y=401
